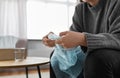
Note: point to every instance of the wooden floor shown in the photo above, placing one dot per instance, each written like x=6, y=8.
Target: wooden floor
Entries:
x=20, y=73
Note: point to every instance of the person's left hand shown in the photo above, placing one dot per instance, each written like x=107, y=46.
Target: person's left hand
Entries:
x=71, y=39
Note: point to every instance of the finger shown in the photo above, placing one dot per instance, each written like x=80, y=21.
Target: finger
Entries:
x=58, y=41
x=45, y=43
x=49, y=43
x=46, y=36
x=62, y=44
x=44, y=39
x=63, y=33
x=49, y=33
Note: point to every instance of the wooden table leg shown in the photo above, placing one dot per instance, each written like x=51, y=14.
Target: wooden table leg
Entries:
x=39, y=73
x=26, y=68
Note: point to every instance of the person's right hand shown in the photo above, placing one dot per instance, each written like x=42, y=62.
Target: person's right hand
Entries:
x=48, y=42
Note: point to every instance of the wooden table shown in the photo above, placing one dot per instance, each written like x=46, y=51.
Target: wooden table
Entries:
x=29, y=61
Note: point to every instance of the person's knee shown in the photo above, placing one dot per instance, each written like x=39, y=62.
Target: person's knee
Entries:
x=96, y=59
x=101, y=55
x=99, y=62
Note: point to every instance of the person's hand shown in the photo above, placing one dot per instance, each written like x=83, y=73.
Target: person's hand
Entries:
x=71, y=39
x=48, y=42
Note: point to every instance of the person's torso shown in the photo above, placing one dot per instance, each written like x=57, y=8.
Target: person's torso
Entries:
x=96, y=19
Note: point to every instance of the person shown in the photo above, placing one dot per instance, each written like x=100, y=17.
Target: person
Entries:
x=96, y=27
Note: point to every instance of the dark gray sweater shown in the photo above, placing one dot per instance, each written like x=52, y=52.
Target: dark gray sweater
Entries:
x=101, y=24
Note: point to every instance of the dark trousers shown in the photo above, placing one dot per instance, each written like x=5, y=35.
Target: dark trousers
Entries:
x=100, y=63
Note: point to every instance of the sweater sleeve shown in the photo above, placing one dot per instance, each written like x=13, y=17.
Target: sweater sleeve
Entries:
x=77, y=19
x=77, y=25
x=109, y=40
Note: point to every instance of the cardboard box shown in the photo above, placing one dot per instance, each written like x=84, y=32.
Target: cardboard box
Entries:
x=9, y=54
